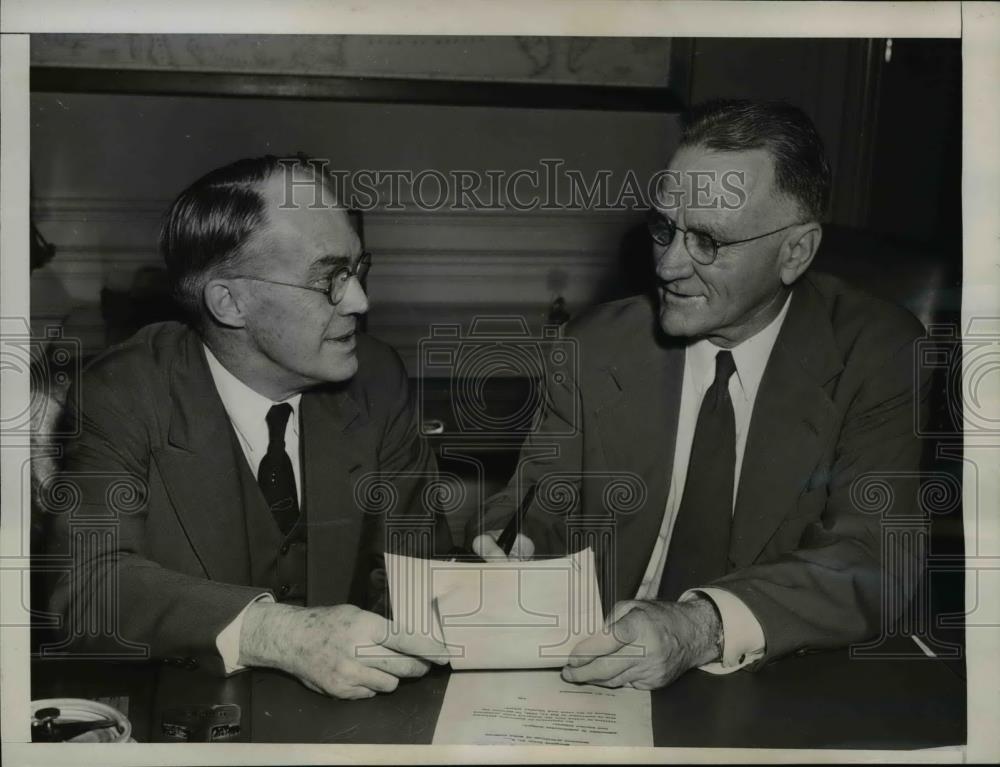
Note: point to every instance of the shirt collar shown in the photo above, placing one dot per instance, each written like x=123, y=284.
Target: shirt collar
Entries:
x=750, y=356
x=245, y=407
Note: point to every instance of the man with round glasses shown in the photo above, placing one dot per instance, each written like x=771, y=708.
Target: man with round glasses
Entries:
x=246, y=433
x=750, y=398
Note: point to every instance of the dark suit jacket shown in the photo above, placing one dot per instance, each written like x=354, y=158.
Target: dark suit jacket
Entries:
x=151, y=420
x=836, y=404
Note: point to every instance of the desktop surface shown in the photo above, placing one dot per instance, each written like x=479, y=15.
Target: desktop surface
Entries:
x=815, y=700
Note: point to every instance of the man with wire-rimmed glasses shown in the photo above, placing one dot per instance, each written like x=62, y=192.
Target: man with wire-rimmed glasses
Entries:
x=748, y=396
x=249, y=430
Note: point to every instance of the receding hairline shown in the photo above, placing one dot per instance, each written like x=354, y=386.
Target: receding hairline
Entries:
x=802, y=167
x=315, y=179
x=271, y=194
x=768, y=171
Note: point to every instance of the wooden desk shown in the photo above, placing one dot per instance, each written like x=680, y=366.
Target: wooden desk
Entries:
x=810, y=701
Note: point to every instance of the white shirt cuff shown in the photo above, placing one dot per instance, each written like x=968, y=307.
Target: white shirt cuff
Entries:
x=742, y=636
x=228, y=640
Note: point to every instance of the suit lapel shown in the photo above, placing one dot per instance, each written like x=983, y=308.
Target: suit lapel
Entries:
x=200, y=469
x=637, y=428
x=640, y=409
x=791, y=423
x=333, y=441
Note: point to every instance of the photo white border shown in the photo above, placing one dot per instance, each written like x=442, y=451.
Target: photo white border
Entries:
x=598, y=18
x=981, y=299
x=977, y=23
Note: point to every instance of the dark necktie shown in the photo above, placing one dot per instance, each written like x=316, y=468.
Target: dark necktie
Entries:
x=699, y=544
x=275, y=475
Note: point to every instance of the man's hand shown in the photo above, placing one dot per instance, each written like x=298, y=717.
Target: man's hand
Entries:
x=342, y=651
x=647, y=645
x=486, y=546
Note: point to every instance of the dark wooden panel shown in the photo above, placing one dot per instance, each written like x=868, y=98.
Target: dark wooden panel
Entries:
x=380, y=90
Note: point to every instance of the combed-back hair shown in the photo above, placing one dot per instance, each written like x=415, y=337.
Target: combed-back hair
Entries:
x=801, y=169
x=206, y=228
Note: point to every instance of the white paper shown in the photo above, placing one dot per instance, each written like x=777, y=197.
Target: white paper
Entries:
x=539, y=708
x=493, y=615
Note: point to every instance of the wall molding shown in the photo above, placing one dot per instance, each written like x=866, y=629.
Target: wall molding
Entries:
x=464, y=260
x=430, y=267
x=116, y=209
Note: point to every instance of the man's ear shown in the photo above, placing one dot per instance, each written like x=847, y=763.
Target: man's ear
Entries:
x=798, y=250
x=223, y=304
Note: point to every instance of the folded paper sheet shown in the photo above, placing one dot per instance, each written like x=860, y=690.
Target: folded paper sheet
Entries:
x=499, y=615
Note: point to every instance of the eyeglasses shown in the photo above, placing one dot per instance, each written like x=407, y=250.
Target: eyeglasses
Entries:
x=337, y=288
x=702, y=246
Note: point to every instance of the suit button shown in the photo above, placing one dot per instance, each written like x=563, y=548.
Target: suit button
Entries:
x=283, y=590
x=284, y=548
x=190, y=663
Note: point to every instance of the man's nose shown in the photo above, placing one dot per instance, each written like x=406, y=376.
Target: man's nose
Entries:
x=673, y=261
x=355, y=300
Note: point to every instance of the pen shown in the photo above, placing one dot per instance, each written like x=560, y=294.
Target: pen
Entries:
x=506, y=540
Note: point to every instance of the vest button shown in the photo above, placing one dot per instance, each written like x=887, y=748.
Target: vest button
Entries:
x=284, y=548
x=283, y=590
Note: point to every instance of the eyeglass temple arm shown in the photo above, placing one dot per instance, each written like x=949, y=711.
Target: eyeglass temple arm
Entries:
x=758, y=237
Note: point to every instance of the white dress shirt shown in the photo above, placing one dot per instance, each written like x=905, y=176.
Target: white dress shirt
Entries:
x=247, y=411
x=743, y=638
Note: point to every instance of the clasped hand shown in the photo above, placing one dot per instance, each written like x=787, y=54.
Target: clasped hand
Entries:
x=342, y=651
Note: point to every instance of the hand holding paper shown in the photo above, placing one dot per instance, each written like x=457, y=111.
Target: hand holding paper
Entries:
x=647, y=645
x=341, y=650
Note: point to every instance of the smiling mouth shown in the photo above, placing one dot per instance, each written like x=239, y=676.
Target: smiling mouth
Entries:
x=676, y=294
